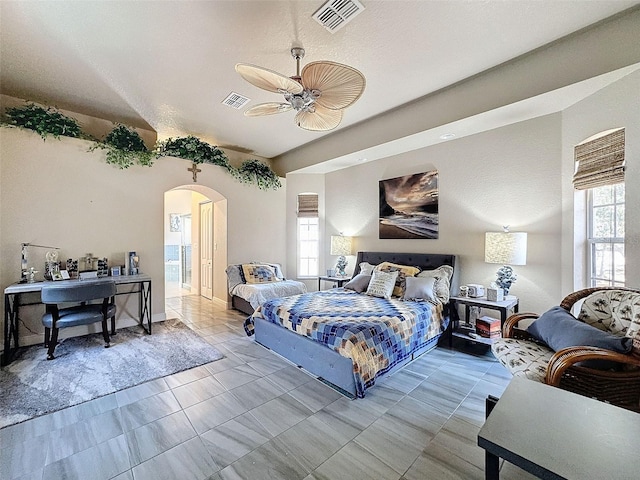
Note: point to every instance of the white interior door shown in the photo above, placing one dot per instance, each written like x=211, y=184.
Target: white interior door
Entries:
x=206, y=250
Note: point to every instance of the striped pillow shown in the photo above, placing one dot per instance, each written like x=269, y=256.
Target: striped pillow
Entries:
x=404, y=271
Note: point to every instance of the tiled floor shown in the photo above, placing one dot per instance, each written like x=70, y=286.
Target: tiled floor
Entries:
x=252, y=415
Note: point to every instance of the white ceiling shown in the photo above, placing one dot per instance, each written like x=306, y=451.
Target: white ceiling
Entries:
x=169, y=64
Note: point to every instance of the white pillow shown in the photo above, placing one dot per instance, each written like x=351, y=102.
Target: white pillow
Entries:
x=442, y=284
x=420, y=288
x=382, y=283
x=366, y=268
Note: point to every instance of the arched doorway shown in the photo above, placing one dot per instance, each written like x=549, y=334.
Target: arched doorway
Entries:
x=195, y=247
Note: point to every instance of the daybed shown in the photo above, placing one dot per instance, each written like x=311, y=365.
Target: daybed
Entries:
x=596, y=354
x=252, y=284
x=349, y=339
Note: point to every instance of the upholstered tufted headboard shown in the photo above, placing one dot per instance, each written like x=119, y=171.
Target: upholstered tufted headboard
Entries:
x=424, y=261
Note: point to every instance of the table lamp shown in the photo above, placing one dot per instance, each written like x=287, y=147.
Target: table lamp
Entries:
x=341, y=245
x=506, y=248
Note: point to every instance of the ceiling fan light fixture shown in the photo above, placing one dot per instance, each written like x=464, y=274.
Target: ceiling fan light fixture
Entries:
x=318, y=94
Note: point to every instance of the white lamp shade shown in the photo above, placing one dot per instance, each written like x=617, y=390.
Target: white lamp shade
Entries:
x=506, y=248
x=340, y=245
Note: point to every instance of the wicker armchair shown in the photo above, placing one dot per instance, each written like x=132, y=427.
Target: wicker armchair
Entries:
x=620, y=387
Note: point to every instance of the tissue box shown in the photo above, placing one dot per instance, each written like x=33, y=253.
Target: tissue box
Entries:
x=495, y=294
x=488, y=327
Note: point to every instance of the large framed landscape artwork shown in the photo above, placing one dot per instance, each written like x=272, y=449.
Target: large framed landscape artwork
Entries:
x=409, y=206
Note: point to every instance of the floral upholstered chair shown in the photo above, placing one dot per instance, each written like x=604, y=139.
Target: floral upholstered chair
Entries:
x=596, y=354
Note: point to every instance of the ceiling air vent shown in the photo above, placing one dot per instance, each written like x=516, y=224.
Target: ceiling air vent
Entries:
x=335, y=14
x=235, y=100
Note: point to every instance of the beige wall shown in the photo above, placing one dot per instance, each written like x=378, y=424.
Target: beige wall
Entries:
x=56, y=193
x=507, y=176
x=519, y=175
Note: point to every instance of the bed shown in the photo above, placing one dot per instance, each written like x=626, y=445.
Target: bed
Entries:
x=252, y=284
x=349, y=339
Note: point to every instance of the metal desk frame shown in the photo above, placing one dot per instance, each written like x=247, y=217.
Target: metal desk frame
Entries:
x=13, y=296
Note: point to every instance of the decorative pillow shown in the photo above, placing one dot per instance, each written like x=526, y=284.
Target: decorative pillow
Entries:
x=442, y=284
x=420, y=288
x=559, y=329
x=234, y=276
x=257, y=273
x=382, y=283
x=614, y=311
x=404, y=271
x=359, y=283
x=366, y=268
x=276, y=267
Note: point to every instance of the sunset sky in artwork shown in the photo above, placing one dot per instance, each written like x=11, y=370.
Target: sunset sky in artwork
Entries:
x=412, y=192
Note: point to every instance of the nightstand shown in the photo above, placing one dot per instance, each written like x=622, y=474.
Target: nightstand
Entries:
x=336, y=280
x=510, y=303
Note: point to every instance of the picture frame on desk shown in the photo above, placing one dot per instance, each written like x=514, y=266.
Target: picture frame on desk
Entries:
x=115, y=271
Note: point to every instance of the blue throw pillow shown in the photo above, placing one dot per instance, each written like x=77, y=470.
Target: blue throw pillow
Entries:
x=559, y=329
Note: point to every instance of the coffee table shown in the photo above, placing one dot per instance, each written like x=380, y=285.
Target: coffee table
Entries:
x=555, y=434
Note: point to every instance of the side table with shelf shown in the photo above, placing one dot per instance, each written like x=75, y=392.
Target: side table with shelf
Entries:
x=339, y=281
x=510, y=303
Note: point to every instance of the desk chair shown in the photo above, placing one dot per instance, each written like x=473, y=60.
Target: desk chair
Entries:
x=85, y=313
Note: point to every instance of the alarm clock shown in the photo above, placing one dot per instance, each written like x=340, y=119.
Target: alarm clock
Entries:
x=475, y=290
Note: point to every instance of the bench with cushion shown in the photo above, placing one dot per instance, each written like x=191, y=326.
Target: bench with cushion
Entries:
x=596, y=354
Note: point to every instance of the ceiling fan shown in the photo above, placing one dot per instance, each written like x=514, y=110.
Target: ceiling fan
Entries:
x=319, y=94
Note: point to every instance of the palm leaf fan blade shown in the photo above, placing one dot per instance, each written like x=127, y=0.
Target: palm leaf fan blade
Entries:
x=270, y=108
x=320, y=120
x=340, y=85
x=267, y=79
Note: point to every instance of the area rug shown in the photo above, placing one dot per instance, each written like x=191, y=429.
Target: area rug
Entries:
x=83, y=369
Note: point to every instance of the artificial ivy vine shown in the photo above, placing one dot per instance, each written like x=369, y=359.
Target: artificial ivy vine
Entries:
x=194, y=149
x=254, y=171
x=45, y=122
x=125, y=147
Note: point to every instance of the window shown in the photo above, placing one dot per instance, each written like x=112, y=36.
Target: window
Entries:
x=600, y=166
x=308, y=235
x=308, y=247
x=606, y=235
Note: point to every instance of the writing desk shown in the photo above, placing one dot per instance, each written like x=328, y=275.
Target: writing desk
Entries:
x=556, y=435
x=14, y=298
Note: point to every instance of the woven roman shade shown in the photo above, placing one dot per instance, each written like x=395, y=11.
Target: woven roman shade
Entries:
x=600, y=161
x=308, y=205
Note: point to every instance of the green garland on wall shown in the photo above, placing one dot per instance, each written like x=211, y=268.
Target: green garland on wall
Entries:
x=44, y=121
x=125, y=147
x=194, y=149
x=254, y=171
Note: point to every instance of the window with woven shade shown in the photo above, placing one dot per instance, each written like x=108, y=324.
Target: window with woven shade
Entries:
x=600, y=160
x=600, y=172
x=308, y=205
x=308, y=235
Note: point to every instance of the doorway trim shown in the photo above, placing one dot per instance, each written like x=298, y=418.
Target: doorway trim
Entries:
x=219, y=202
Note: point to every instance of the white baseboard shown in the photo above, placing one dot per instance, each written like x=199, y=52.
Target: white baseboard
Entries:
x=220, y=302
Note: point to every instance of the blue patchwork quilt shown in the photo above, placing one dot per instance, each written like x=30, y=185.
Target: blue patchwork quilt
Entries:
x=376, y=334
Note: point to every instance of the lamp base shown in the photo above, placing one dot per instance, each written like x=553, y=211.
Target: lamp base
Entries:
x=341, y=265
x=506, y=278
